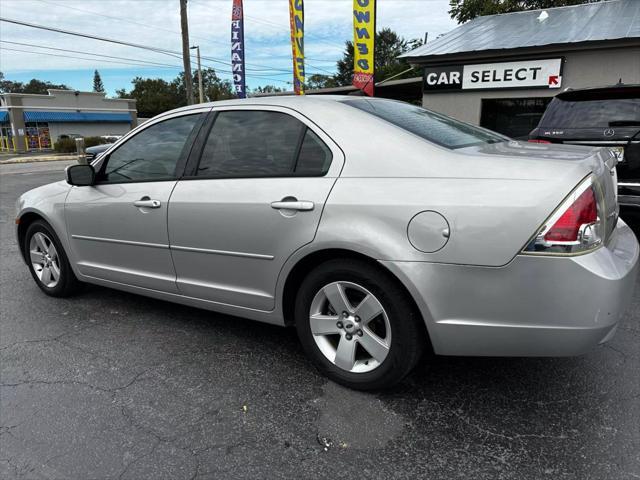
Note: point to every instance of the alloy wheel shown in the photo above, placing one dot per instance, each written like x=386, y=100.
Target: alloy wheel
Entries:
x=350, y=327
x=44, y=259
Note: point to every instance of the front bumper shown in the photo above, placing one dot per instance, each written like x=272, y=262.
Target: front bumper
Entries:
x=533, y=306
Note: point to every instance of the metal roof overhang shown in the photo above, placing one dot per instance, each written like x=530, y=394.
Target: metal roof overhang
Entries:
x=61, y=117
x=542, y=51
x=594, y=22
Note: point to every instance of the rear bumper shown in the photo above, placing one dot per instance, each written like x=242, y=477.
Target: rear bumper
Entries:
x=534, y=306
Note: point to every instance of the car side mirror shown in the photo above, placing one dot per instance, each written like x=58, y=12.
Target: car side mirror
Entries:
x=80, y=175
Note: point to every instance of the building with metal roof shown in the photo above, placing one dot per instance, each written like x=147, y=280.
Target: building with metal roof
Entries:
x=35, y=122
x=500, y=71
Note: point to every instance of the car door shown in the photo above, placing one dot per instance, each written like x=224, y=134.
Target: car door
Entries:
x=254, y=198
x=118, y=227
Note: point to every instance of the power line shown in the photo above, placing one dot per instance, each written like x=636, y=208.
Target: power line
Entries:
x=78, y=58
x=120, y=19
x=279, y=27
x=208, y=40
x=163, y=51
x=72, y=57
x=128, y=44
x=89, y=53
x=275, y=25
x=92, y=37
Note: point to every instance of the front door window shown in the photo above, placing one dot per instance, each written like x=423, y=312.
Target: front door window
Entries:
x=151, y=155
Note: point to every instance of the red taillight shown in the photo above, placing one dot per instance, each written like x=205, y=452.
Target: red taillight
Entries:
x=532, y=140
x=583, y=211
x=575, y=227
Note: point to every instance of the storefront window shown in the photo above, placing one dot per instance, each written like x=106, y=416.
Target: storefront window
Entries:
x=514, y=117
x=38, y=137
x=6, y=138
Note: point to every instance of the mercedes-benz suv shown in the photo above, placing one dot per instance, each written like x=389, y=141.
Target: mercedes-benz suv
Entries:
x=604, y=117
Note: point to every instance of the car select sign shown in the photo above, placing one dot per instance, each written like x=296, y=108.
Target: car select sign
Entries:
x=525, y=74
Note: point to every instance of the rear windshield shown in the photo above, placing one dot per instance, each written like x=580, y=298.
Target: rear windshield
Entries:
x=431, y=126
x=615, y=112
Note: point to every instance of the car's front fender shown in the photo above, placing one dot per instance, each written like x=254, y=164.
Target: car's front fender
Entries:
x=46, y=202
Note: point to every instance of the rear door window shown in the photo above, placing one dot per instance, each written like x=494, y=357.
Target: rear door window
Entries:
x=260, y=143
x=315, y=156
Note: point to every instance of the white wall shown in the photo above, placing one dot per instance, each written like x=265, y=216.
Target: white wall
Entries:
x=70, y=100
x=87, y=129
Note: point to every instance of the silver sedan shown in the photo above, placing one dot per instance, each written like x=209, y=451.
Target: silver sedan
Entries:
x=377, y=228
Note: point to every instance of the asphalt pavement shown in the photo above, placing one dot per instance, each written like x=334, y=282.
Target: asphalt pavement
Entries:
x=108, y=385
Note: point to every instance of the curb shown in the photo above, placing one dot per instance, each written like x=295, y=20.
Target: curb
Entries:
x=38, y=159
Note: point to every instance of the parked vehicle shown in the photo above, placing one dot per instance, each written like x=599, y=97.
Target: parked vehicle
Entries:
x=377, y=228
x=603, y=117
x=72, y=136
x=92, y=152
x=111, y=138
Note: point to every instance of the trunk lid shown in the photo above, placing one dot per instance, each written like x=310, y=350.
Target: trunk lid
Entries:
x=542, y=161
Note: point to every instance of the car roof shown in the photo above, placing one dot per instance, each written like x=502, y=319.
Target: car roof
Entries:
x=619, y=90
x=292, y=101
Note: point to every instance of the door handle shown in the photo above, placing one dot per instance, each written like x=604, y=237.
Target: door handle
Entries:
x=146, y=202
x=300, y=205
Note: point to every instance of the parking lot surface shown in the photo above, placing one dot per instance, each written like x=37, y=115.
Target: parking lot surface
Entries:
x=108, y=385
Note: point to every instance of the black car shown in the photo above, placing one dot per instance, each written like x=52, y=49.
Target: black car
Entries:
x=92, y=152
x=604, y=117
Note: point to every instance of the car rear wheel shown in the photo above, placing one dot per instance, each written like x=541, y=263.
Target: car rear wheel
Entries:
x=357, y=324
x=48, y=263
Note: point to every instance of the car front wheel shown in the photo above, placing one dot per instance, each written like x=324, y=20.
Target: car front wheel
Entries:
x=48, y=262
x=358, y=325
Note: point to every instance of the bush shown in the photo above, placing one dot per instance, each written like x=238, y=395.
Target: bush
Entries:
x=93, y=141
x=68, y=145
x=65, y=145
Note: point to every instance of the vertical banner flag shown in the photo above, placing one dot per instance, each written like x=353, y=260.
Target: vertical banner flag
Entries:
x=237, y=49
x=296, y=18
x=364, y=34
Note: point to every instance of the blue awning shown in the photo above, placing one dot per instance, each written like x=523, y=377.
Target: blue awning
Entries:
x=77, y=117
x=4, y=116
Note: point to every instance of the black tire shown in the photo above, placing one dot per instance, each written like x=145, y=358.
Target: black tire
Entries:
x=67, y=283
x=408, y=339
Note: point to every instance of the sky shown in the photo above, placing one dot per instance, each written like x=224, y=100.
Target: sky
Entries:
x=328, y=23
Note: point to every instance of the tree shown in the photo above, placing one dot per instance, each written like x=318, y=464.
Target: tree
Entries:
x=98, y=86
x=268, y=89
x=465, y=10
x=389, y=45
x=214, y=87
x=153, y=96
x=33, y=86
x=318, y=80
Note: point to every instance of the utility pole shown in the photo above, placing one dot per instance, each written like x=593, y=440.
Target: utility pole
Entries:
x=200, y=90
x=186, y=59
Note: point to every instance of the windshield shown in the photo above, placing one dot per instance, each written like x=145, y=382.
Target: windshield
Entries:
x=621, y=112
x=431, y=126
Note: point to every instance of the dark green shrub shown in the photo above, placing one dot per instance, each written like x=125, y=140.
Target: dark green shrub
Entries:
x=68, y=145
x=65, y=145
x=93, y=141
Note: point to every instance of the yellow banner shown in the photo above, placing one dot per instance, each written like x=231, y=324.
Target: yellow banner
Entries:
x=364, y=34
x=296, y=18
